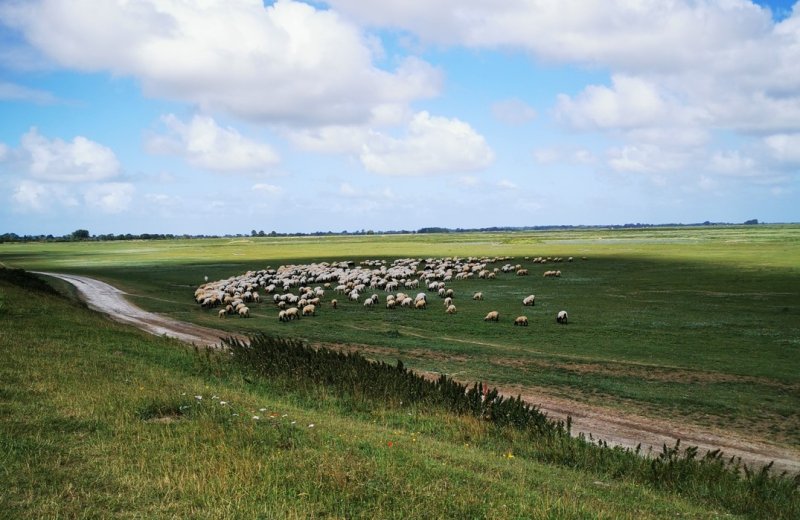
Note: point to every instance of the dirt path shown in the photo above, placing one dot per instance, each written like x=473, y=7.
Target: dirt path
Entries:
x=612, y=426
x=106, y=298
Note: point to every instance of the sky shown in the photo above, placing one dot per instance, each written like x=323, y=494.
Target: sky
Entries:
x=226, y=116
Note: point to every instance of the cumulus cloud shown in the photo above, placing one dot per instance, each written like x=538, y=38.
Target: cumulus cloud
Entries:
x=111, y=197
x=3, y=152
x=79, y=160
x=513, y=112
x=286, y=62
x=630, y=103
x=785, y=148
x=30, y=195
x=432, y=145
x=732, y=162
x=206, y=145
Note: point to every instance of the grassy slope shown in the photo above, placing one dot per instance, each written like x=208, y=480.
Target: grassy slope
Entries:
x=697, y=324
x=75, y=390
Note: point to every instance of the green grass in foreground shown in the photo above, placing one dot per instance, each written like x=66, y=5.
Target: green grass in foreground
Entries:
x=97, y=420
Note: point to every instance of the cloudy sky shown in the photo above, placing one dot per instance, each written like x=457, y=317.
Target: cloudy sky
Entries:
x=223, y=116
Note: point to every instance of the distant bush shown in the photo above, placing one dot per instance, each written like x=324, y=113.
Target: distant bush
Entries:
x=354, y=375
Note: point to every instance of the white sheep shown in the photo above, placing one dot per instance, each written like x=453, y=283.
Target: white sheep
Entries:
x=561, y=317
x=451, y=309
x=529, y=301
x=477, y=296
x=420, y=304
x=492, y=316
x=244, y=312
x=521, y=320
x=310, y=310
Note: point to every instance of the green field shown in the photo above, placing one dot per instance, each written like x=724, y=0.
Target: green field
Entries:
x=693, y=324
x=100, y=420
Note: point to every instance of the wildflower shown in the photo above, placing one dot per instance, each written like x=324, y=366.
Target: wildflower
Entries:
x=255, y=417
x=509, y=455
x=294, y=422
x=390, y=444
x=214, y=397
x=311, y=425
x=199, y=397
x=262, y=409
x=223, y=403
x=236, y=415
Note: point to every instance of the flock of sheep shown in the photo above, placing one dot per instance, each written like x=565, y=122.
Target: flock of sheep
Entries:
x=299, y=290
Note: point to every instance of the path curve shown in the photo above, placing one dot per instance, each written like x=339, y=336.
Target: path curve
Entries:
x=106, y=298
x=614, y=427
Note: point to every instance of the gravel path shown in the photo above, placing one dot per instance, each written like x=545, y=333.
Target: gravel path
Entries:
x=612, y=426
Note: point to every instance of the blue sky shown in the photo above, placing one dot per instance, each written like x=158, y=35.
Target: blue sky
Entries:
x=165, y=116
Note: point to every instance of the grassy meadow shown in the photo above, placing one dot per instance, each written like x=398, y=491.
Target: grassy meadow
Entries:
x=98, y=419
x=694, y=324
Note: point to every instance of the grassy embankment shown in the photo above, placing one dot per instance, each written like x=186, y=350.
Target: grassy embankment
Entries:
x=698, y=325
x=99, y=419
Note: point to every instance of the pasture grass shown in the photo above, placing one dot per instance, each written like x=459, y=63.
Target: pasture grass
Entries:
x=102, y=420
x=695, y=324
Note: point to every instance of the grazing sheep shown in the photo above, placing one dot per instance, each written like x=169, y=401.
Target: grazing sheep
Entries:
x=334, y=303
x=521, y=321
x=407, y=302
x=477, y=296
x=449, y=293
x=244, y=312
x=522, y=272
x=448, y=302
x=529, y=301
x=492, y=316
x=292, y=313
x=391, y=303
x=451, y=309
x=420, y=304
x=282, y=316
x=222, y=313
x=369, y=302
x=310, y=310
x=561, y=317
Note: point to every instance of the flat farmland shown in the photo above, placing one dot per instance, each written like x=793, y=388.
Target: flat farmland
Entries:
x=692, y=324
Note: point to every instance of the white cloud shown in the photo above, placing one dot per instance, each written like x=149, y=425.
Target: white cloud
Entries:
x=646, y=159
x=287, y=61
x=111, y=197
x=630, y=103
x=31, y=196
x=733, y=163
x=37, y=197
x=513, y=111
x=506, y=184
x=3, y=152
x=267, y=189
x=206, y=145
x=432, y=145
x=347, y=190
x=14, y=92
x=784, y=147
x=79, y=160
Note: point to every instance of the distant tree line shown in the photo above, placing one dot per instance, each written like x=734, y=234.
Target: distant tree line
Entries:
x=84, y=235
